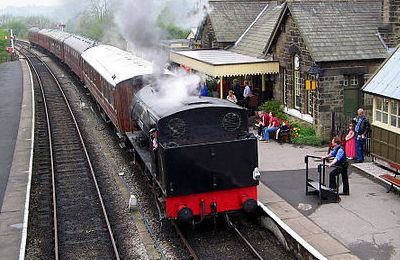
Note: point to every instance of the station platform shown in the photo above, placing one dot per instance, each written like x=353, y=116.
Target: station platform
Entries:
x=16, y=149
x=363, y=225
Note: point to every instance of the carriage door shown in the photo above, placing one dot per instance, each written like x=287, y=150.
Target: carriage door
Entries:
x=352, y=94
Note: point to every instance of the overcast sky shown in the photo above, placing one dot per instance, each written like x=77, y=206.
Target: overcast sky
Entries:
x=19, y=3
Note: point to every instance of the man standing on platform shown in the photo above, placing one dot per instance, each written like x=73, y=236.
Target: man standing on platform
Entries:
x=361, y=130
x=246, y=94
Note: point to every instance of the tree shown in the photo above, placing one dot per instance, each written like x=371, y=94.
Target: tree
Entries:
x=166, y=23
x=39, y=21
x=18, y=27
x=100, y=9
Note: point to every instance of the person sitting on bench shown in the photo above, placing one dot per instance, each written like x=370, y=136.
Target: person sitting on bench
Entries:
x=341, y=164
x=272, y=127
x=283, y=133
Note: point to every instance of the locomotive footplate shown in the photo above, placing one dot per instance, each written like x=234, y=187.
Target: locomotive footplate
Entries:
x=143, y=151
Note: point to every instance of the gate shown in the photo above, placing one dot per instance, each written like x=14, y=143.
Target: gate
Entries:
x=340, y=126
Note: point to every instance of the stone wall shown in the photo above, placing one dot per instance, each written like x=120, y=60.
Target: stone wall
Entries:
x=288, y=43
x=330, y=94
x=208, y=35
x=390, y=29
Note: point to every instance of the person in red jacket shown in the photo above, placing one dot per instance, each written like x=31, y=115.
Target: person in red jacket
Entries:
x=264, y=121
x=272, y=127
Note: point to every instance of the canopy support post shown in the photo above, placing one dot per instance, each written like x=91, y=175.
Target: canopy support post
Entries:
x=221, y=87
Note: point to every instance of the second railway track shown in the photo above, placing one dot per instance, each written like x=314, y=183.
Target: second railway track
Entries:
x=81, y=228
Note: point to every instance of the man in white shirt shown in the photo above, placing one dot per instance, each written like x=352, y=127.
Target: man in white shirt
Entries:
x=246, y=94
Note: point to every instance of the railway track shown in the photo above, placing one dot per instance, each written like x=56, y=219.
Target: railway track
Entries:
x=80, y=225
x=193, y=243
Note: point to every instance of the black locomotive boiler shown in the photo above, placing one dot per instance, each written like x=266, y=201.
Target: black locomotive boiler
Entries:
x=199, y=152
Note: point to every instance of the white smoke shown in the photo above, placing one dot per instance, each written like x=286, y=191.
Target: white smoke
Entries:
x=176, y=89
x=137, y=22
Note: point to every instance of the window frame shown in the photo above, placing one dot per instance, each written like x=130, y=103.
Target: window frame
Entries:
x=383, y=112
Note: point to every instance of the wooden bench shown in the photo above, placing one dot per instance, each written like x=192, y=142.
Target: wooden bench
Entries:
x=392, y=179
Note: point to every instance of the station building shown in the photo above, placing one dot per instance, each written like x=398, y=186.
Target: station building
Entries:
x=313, y=56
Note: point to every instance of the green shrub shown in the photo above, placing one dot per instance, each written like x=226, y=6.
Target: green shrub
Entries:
x=307, y=131
x=276, y=107
x=308, y=140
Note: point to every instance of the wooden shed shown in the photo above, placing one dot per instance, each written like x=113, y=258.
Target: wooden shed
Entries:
x=384, y=86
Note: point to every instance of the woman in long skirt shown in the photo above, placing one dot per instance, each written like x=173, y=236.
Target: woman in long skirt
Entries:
x=351, y=143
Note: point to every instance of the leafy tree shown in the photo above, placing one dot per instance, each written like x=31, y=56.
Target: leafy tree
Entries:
x=92, y=26
x=39, y=21
x=96, y=20
x=4, y=43
x=171, y=31
x=19, y=28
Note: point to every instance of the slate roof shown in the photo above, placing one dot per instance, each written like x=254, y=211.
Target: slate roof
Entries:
x=230, y=19
x=340, y=30
x=259, y=35
x=386, y=81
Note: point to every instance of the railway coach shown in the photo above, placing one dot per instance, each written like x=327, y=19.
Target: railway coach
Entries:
x=53, y=41
x=113, y=76
x=33, y=36
x=74, y=46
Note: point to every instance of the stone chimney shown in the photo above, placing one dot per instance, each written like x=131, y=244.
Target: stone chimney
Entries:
x=390, y=28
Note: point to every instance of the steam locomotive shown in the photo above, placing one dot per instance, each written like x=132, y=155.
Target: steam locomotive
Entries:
x=197, y=150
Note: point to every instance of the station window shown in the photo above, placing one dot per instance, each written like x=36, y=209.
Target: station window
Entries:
x=354, y=80
x=296, y=81
x=394, y=114
x=387, y=112
x=378, y=110
x=297, y=87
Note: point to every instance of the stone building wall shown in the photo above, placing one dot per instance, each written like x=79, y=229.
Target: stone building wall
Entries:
x=330, y=95
x=288, y=43
x=208, y=35
x=390, y=29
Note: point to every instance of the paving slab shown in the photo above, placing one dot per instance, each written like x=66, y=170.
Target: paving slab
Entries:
x=364, y=225
x=15, y=203
x=10, y=109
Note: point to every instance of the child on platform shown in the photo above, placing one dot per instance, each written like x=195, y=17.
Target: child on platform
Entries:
x=351, y=143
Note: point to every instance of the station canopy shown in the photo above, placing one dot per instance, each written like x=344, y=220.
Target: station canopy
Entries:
x=222, y=63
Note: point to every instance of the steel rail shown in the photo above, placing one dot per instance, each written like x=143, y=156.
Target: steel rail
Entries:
x=86, y=154
x=243, y=238
x=192, y=253
x=56, y=252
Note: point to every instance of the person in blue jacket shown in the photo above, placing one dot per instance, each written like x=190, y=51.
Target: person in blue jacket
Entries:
x=204, y=90
x=341, y=164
